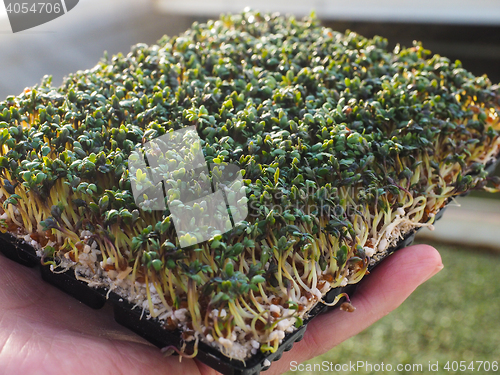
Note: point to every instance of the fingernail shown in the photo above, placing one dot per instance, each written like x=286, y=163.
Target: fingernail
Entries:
x=435, y=271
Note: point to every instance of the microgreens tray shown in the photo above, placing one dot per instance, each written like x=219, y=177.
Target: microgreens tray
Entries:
x=222, y=183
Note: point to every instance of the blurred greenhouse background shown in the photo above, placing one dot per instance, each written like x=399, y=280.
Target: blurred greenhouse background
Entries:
x=454, y=316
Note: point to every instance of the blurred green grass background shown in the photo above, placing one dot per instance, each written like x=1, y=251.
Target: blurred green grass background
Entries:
x=452, y=317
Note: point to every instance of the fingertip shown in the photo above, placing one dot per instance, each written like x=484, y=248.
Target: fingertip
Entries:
x=433, y=257
x=421, y=259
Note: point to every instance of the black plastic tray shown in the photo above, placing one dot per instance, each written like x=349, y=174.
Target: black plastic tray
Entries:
x=152, y=330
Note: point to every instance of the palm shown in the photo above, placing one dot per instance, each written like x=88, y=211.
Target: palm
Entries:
x=43, y=331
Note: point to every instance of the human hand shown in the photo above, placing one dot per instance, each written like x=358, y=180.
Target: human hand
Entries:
x=43, y=331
